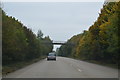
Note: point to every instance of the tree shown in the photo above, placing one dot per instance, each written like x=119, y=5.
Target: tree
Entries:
x=100, y=42
x=19, y=43
x=39, y=34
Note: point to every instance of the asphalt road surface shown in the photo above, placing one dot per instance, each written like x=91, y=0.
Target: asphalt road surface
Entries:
x=64, y=68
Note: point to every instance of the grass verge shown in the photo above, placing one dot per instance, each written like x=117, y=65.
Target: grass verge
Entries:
x=115, y=66
x=103, y=64
x=13, y=67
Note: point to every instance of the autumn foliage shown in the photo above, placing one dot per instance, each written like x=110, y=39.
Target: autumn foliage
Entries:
x=100, y=42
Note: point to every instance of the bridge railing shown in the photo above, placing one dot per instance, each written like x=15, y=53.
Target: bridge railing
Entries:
x=58, y=43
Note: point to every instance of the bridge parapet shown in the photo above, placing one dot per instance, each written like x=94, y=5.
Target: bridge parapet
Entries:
x=58, y=43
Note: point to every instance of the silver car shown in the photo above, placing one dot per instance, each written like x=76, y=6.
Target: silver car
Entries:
x=51, y=56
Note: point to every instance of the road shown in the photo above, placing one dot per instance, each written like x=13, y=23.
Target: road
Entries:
x=64, y=68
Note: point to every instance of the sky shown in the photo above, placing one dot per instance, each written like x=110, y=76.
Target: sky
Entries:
x=59, y=20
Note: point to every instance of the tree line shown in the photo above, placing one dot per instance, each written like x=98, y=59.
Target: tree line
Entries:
x=100, y=42
x=19, y=43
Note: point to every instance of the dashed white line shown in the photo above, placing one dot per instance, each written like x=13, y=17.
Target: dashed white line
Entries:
x=79, y=70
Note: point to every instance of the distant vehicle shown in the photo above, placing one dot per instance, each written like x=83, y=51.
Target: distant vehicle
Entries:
x=51, y=56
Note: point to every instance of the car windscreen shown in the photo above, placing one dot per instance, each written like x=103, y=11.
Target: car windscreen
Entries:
x=51, y=54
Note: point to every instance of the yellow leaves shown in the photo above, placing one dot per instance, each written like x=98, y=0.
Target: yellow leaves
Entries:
x=82, y=41
x=103, y=27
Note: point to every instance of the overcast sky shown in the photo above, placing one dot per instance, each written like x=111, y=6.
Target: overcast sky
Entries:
x=59, y=20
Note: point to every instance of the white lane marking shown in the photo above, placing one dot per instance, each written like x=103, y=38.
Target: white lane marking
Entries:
x=80, y=70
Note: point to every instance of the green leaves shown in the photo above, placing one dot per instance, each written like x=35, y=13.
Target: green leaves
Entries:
x=100, y=42
x=19, y=43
